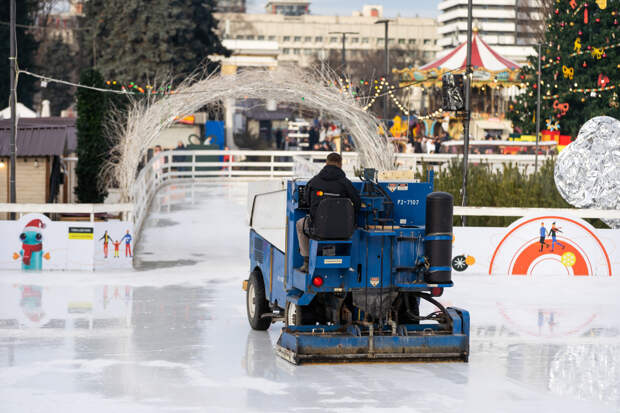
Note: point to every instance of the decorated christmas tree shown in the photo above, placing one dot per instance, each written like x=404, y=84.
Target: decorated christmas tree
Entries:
x=580, y=69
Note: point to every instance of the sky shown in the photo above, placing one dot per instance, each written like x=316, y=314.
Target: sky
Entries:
x=391, y=8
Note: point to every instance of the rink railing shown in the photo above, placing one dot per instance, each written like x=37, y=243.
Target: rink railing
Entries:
x=208, y=165
x=76, y=210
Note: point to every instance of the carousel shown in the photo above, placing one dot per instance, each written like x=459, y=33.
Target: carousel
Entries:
x=495, y=81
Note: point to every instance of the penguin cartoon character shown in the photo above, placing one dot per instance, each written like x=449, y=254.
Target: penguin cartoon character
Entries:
x=32, y=246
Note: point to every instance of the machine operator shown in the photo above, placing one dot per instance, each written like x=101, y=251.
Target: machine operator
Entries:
x=331, y=181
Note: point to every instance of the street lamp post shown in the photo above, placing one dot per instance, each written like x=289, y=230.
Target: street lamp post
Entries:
x=13, y=103
x=467, y=108
x=537, y=112
x=344, y=40
x=386, y=101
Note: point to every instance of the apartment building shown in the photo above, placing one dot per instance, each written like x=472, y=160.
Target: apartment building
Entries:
x=506, y=25
x=302, y=38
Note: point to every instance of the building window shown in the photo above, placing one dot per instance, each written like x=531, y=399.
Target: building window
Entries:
x=286, y=39
x=297, y=39
x=427, y=41
x=355, y=39
x=308, y=39
x=307, y=52
x=272, y=38
x=239, y=37
x=296, y=51
x=391, y=41
x=250, y=37
x=286, y=51
x=333, y=40
x=380, y=40
x=401, y=41
x=365, y=39
x=427, y=54
x=260, y=37
x=411, y=41
x=318, y=39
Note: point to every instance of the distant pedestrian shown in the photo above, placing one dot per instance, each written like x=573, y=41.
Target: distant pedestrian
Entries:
x=279, y=139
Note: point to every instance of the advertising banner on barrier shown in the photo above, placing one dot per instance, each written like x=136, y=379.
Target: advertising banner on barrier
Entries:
x=35, y=242
x=538, y=245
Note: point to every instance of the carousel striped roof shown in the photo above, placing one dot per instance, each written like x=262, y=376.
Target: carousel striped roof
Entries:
x=482, y=56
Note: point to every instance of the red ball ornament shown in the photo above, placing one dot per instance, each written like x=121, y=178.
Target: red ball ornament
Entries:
x=604, y=54
x=585, y=64
x=558, y=58
x=535, y=86
x=557, y=11
x=597, y=20
x=558, y=115
x=588, y=47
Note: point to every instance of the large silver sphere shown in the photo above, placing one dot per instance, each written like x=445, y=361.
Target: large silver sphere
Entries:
x=587, y=172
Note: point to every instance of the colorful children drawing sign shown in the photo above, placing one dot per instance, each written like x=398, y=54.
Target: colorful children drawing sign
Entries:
x=107, y=239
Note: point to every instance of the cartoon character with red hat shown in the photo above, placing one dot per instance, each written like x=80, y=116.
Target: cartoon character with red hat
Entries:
x=32, y=246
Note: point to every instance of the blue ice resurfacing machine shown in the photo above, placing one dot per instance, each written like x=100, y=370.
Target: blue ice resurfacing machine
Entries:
x=360, y=300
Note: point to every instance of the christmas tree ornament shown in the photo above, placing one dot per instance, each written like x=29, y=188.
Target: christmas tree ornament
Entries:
x=562, y=108
x=551, y=125
x=577, y=46
x=602, y=4
x=593, y=94
x=585, y=13
x=568, y=72
x=603, y=81
x=586, y=170
x=597, y=52
x=573, y=4
x=585, y=64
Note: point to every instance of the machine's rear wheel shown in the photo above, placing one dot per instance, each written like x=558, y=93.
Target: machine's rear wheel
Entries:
x=293, y=314
x=256, y=303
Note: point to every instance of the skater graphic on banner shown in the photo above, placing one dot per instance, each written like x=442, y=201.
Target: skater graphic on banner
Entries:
x=106, y=240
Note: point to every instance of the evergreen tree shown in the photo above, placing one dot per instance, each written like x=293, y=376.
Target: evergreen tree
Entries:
x=579, y=68
x=25, y=14
x=57, y=57
x=92, y=147
x=147, y=40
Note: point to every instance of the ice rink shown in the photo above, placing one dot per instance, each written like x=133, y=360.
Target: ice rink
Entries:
x=172, y=336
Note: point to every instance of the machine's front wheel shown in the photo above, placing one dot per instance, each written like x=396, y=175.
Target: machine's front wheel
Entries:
x=256, y=303
x=293, y=314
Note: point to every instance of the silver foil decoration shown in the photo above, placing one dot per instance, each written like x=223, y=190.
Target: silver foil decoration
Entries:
x=587, y=172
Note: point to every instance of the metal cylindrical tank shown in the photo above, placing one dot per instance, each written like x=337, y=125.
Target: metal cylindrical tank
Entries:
x=438, y=237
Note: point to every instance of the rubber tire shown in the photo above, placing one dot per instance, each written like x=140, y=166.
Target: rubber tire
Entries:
x=298, y=314
x=261, y=306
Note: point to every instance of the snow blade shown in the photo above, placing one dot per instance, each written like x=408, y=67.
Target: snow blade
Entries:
x=406, y=342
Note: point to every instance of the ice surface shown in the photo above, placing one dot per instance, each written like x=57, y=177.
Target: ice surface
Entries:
x=172, y=336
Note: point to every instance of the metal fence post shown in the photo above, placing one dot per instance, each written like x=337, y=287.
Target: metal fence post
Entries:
x=271, y=168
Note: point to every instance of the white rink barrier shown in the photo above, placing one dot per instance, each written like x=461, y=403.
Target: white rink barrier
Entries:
x=577, y=249
x=35, y=242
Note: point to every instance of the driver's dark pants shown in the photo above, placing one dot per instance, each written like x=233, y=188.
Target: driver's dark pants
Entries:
x=304, y=242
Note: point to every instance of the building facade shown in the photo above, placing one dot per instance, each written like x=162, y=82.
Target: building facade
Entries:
x=231, y=6
x=506, y=25
x=302, y=39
